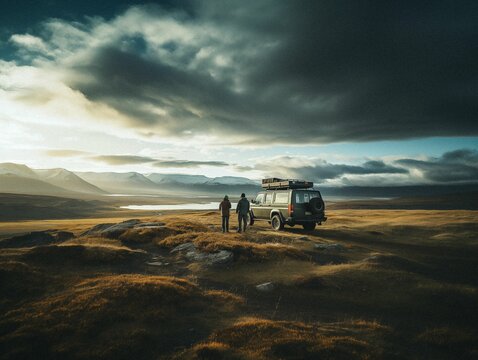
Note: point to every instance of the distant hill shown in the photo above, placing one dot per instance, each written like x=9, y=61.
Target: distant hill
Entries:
x=20, y=179
x=68, y=180
x=17, y=169
x=10, y=183
x=232, y=180
x=200, y=179
x=125, y=183
x=36, y=207
x=178, y=178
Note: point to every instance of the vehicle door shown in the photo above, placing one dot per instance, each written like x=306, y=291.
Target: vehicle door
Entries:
x=301, y=202
x=268, y=203
x=257, y=207
x=281, y=202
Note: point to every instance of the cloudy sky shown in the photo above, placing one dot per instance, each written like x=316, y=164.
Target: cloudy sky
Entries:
x=339, y=92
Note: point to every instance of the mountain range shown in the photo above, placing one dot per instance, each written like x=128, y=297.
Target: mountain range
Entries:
x=20, y=179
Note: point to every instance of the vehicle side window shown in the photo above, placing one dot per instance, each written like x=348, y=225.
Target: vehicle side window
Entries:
x=260, y=199
x=282, y=198
x=268, y=198
x=299, y=197
x=314, y=195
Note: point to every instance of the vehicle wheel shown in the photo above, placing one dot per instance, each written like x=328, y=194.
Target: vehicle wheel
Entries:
x=316, y=205
x=277, y=223
x=309, y=226
x=250, y=219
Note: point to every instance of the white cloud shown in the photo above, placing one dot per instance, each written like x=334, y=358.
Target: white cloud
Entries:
x=30, y=43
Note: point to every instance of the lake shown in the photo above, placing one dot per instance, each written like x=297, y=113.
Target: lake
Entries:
x=191, y=206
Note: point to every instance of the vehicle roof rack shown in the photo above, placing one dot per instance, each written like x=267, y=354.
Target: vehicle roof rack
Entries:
x=285, y=184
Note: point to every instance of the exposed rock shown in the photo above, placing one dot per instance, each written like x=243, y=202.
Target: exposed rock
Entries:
x=97, y=229
x=35, y=238
x=150, y=225
x=304, y=238
x=266, y=287
x=220, y=258
x=184, y=247
x=336, y=247
x=193, y=254
x=157, y=263
x=63, y=235
x=112, y=230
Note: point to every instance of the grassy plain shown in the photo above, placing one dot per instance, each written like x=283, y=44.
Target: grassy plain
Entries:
x=393, y=284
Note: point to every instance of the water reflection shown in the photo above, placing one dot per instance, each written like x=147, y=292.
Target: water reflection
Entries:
x=207, y=206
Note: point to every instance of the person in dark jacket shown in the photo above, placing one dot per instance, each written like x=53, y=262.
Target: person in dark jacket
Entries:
x=242, y=209
x=225, y=206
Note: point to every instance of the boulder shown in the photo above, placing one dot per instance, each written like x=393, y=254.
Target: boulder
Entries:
x=189, y=246
x=194, y=255
x=191, y=253
x=111, y=230
x=327, y=247
x=34, y=238
x=150, y=225
x=157, y=263
x=265, y=287
x=63, y=235
x=220, y=258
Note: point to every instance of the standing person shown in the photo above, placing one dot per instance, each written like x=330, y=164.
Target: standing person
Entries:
x=242, y=210
x=225, y=206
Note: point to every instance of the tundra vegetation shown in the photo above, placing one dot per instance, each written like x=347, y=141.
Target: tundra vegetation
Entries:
x=369, y=284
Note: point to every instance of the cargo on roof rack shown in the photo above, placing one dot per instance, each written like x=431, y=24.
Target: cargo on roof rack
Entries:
x=285, y=184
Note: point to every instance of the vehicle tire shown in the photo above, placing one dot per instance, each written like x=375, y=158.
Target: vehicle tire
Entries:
x=316, y=205
x=309, y=226
x=250, y=219
x=277, y=223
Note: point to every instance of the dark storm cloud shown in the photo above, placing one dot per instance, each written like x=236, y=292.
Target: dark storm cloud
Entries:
x=288, y=71
x=320, y=170
x=455, y=166
x=187, y=163
x=122, y=159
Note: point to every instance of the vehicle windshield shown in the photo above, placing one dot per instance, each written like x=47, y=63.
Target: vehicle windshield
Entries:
x=303, y=197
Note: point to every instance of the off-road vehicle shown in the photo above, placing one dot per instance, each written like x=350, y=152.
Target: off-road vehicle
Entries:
x=291, y=202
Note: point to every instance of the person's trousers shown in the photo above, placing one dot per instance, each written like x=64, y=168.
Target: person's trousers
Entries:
x=242, y=219
x=225, y=223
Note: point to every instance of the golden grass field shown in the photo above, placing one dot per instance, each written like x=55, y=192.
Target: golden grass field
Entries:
x=395, y=284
